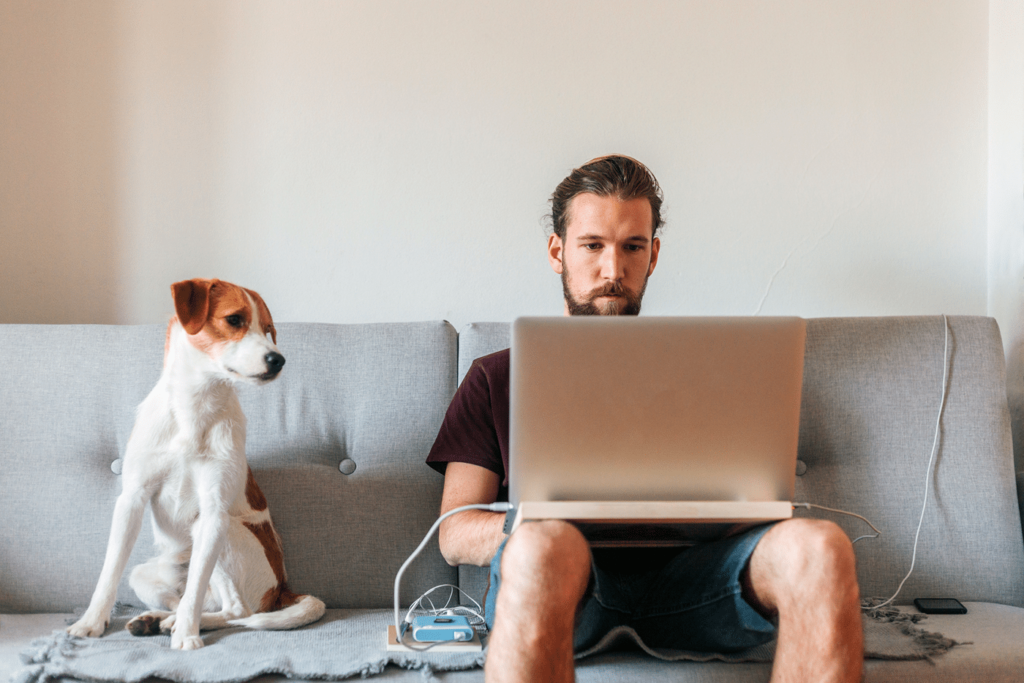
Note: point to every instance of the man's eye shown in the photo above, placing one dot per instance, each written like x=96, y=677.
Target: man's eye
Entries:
x=234, y=320
x=633, y=247
x=593, y=246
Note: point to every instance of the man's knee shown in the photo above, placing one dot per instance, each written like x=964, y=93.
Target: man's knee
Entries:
x=817, y=547
x=552, y=552
x=810, y=557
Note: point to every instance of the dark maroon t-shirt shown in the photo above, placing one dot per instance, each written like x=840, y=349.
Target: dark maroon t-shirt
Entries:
x=475, y=428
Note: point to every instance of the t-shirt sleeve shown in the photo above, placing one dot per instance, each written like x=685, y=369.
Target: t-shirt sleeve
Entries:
x=468, y=431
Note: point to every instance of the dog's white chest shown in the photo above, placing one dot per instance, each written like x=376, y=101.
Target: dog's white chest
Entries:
x=176, y=503
x=174, y=429
x=188, y=448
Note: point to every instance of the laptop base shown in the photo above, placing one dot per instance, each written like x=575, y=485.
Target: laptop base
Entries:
x=655, y=523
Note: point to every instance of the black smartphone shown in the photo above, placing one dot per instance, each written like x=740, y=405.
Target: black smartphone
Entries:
x=939, y=606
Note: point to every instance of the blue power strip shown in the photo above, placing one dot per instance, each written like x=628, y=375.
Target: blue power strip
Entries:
x=441, y=629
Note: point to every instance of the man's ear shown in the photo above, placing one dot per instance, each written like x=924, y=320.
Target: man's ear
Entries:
x=555, y=253
x=192, y=303
x=655, y=248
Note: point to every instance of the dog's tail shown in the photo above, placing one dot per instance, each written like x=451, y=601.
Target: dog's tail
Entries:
x=302, y=610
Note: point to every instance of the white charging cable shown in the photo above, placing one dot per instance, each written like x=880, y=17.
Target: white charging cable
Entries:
x=931, y=460
x=808, y=506
x=399, y=625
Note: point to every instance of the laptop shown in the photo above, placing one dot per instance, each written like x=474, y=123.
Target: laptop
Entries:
x=654, y=430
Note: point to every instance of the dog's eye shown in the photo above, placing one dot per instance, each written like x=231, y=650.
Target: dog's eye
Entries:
x=234, y=320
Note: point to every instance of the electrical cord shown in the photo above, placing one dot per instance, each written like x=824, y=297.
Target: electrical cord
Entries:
x=400, y=626
x=928, y=474
x=448, y=608
x=931, y=460
x=877, y=533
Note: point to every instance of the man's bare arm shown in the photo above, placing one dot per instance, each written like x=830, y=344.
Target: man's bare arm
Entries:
x=473, y=536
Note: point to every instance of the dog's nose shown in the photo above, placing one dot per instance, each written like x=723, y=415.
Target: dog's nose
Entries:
x=275, y=362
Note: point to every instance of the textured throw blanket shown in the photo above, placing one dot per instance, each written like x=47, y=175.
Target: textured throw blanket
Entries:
x=350, y=643
x=888, y=634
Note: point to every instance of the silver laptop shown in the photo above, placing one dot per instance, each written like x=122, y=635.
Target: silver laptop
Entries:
x=654, y=431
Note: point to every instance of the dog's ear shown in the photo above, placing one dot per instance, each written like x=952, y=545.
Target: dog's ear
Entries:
x=265, y=317
x=192, y=303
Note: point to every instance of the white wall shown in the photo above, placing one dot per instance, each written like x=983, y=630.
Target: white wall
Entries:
x=1006, y=196
x=391, y=160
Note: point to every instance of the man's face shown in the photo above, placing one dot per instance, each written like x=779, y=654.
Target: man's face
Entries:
x=607, y=255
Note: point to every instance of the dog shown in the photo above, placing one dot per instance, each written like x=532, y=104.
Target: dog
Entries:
x=219, y=560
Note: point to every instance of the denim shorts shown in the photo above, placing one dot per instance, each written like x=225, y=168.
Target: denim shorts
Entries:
x=674, y=598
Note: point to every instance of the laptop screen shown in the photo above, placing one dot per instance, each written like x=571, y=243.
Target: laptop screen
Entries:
x=655, y=408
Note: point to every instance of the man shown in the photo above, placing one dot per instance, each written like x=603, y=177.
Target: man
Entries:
x=550, y=594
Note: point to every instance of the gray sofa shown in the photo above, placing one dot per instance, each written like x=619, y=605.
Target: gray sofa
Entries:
x=368, y=400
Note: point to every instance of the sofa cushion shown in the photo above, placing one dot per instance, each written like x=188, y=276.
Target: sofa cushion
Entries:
x=69, y=394
x=480, y=339
x=370, y=394
x=871, y=394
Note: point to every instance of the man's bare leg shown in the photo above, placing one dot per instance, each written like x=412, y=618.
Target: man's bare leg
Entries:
x=545, y=569
x=804, y=570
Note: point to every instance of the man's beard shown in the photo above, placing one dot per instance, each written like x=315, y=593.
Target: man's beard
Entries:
x=631, y=305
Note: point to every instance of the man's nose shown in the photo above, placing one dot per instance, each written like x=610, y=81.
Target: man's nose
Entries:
x=612, y=265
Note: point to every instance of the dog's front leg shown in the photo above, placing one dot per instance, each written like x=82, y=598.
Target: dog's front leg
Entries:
x=124, y=529
x=208, y=538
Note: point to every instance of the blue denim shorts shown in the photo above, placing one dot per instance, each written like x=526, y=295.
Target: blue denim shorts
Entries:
x=674, y=598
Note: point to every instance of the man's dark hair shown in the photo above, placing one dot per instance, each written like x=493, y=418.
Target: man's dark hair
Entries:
x=610, y=176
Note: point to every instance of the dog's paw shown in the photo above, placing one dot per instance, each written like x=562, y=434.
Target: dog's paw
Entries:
x=144, y=625
x=167, y=623
x=186, y=642
x=185, y=638
x=88, y=626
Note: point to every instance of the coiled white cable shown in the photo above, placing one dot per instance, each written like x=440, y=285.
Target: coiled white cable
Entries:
x=448, y=608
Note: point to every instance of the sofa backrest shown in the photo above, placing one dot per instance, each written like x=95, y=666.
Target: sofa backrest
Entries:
x=372, y=395
x=871, y=395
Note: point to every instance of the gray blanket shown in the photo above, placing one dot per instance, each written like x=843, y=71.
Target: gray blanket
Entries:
x=349, y=643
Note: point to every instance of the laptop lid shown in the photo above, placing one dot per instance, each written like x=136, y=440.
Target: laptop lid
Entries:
x=654, y=408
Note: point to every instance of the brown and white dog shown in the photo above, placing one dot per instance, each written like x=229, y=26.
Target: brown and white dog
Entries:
x=219, y=559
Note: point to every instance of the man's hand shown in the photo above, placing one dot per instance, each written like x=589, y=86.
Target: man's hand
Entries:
x=473, y=536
